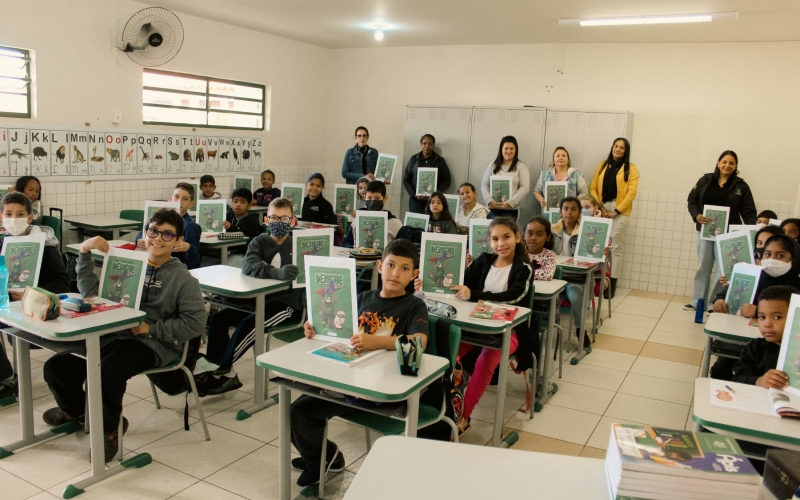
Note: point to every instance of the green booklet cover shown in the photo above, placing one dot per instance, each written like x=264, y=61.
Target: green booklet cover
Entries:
x=742, y=286
x=426, y=181
x=331, y=296
x=241, y=181
x=211, y=215
x=789, y=357
x=306, y=243
x=384, y=170
x=500, y=188
x=196, y=185
x=443, y=262
x=295, y=192
x=593, y=238
x=151, y=207
x=733, y=248
x=452, y=204
x=370, y=229
x=718, y=222
x=417, y=220
x=479, y=237
x=554, y=192
x=23, y=259
x=750, y=229
x=345, y=195
x=122, y=277
x=553, y=216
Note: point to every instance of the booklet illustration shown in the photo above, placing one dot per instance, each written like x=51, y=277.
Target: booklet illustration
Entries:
x=151, y=207
x=384, y=169
x=345, y=195
x=751, y=229
x=309, y=243
x=479, y=237
x=195, y=183
x=754, y=399
x=452, y=203
x=742, y=286
x=494, y=310
x=211, y=215
x=331, y=297
x=23, y=259
x=593, y=237
x=122, y=277
x=370, y=229
x=500, y=187
x=733, y=248
x=417, y=220
x=719, y=222
x=295, y=192
x=554, y=192
x=343, y=353
x=442, y=263
x=243, y=181
x=576, y=263
x=427, y=181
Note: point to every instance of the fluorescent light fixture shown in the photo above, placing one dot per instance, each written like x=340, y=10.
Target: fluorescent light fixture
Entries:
x=665, y=19
x=379, y=33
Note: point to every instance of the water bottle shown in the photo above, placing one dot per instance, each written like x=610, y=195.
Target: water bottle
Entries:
x=699, y=311
x=3, y=283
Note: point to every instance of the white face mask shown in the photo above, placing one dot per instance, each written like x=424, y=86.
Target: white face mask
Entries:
x=775, y=268
x=15, y=226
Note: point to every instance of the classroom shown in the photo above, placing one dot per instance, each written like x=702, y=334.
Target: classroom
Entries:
x=483, y=131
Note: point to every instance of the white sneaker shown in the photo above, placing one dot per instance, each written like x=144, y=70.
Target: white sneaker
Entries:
x=688, y=307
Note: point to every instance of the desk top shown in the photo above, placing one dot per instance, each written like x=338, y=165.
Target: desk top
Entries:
x=483, y=472
x=546, y=289
x=211, y=241
x=488, y=326
x=345, y=253
x=102, y=222
x=731, y=327
x=561, y=259
x=783, y=432
x=377, y=378
x=67, y=328
x=75, y=248
x=230, y=282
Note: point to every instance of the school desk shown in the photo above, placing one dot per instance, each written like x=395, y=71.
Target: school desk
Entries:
x=103, y=224
x=727, y=328
x=210, y=241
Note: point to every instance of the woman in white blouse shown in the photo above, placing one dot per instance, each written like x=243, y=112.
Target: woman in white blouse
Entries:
x=469, y=208
x=507, y=164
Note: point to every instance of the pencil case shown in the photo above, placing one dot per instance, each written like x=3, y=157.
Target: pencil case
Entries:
x=234, y=235
x=409, y=354
x=40, y=304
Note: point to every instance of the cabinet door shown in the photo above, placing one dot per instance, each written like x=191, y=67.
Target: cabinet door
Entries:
x=566, y=129
x=599, y=133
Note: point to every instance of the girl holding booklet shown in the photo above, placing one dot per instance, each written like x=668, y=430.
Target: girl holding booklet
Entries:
x=507, y=164
x=441, y=221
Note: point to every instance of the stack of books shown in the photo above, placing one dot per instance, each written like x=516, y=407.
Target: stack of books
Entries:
x=645, y=462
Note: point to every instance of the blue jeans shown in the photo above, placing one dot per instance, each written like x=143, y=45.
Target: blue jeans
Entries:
x=575, y=296
x=706, y=259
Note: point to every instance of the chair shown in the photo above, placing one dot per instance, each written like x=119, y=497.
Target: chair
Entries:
x=53, y=223
x=135, y=215
x=566, y=308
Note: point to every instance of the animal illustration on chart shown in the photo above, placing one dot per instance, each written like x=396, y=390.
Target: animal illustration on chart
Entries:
x=224, y=155
x=39, y=153
x=235, y=155
x=256, y=153
x=187, y=155
x=591, y=245
x=145, y=154
x=199, y=155
x=129, y=155
x=61, y=153
x=77, y=156
x=3, y=154
x=736, y=302
x=212, y=153
x=113, y=153
x=94, y=157
x=18, y=153
x=245, y=154
x=173, y=156
x=732, y=256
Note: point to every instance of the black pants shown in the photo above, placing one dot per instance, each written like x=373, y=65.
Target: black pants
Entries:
x=308, y=417
x=6, y=370
x=119, y=361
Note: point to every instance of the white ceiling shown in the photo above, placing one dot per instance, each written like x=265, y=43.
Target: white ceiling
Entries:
x=343, y=23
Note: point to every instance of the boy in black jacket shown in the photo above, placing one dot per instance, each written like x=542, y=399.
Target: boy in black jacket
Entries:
x=758, y=361
x=238, y=217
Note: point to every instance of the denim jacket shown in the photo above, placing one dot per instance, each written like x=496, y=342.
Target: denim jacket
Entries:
x=576, y=184
x=351, y=166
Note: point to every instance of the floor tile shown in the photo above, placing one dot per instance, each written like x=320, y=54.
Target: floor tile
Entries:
x=602, y=432
x=667, y=324
x=639, y=310
x=625, y=331
x=658, y=388
x=484, y=410
x=592, y=376
x=15, y=488
x=684, y=317
x=617, y=344
x=44, y=496
x=49, y=464
x=681, y=299
x=650, y=411
x=480, y=433
x=672, y=353
x=205, y=490
x=650, y=295
x=558, y=423
x=695, y=342
x=211, y=404
x=633, y=300
x=590, y=452
x=543, y=444
x=609, y=359
x=581, y=397
x=148, y=423
x=262, y=425
x=623, y=319
x=665, y=369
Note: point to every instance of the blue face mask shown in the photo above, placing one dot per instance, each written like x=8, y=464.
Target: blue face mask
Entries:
x=279, y=229
x=587, y=212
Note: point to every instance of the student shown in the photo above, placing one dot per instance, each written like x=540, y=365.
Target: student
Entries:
x=266, y=193
x=791, y=227
x=565, y=231
x=32, y=188
x=764, y=216
x=590, y=207
x=208, y=186
x=17, y=219
x=188, y=249
x=440, y=219
x=361, y=193
x=762, y=235
x=539, y=241
x=269, y=256
x=759, y=359
x=238, y=217
x=398, y=313
x=375, y=200
x=175, y=314
x=469, y=208
x=315, y=207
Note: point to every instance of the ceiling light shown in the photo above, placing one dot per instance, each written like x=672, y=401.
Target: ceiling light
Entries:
x=379, y=33
x=666, y=19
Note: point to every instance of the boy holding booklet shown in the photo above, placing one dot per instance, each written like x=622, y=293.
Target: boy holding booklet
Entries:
x=759, y=358
x=383, y=315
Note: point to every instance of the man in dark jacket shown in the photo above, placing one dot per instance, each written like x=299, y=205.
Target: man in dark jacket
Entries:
x=429, y=159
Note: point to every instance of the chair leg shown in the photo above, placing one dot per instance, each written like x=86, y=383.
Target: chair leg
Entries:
x=155, y=393
x=533, y=376
x=197, y=401
x=120, y=434
x=453, y=428
x=369, y=441
x=323, y=463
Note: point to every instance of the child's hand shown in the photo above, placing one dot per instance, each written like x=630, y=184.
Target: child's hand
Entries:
x=141, y=244
x=468, y=259
x=226, y=225
x=181, y=247
x=287, y=272
x=773, y=379
x=308, y=330
x=142, y=329
x=463, y=291
x=98, y=243
x=723, y=281
x=701, y=219
x=606, y=252
x=417, y=284
x=720, y=306
x=748, y=311
x=543, y=203
x=365, y=342
x=15, y=296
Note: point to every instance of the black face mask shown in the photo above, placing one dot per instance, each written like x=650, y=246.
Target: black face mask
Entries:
x=372, y=205
x=760, y=253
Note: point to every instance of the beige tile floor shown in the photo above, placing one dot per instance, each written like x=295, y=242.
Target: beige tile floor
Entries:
x=640, y=371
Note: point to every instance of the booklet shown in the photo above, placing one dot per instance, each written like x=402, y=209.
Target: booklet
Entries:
x=384, y=169
x=479, y=237
x=775, y=222
x=426, y=181
x=151, y=207
x=345, y=195
x=553, y=216
x=751, y=229
x=789, y=357
x=370, y=229
x=495, y=311
x=98, y=305
x=754, y=399
x=719, y=222
x=210, y=215
x=576, y=263
x=742, y=287
x=554, y=192
x=122, y=277
x=196, y=185
x=331, y=297
x=23, y=259
x=732, y=249
x=295, y=192
x=343, y=353
x=243, y=181
x=417, y=220
x=593, y=237
x=753, y=322
x=500, y=188
x=442, y=263
x=452, y=204
x=308, y=243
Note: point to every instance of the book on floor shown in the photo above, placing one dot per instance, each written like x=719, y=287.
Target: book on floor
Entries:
x=23, y=259
x=384, y=169
x=495, y=311
x=309, y=243
x=122, y=277
x=593, y=238
x=718, y=223
x=742, y=286
x=789, y=357
x=442, y=263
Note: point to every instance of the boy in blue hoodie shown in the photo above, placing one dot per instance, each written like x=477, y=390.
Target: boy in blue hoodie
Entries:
x=175, y=314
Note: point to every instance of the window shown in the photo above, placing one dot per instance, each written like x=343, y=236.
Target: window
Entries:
x=15, y=82
x=199, y=101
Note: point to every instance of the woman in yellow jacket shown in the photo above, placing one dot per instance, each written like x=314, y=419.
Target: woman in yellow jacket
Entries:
x=614, y=184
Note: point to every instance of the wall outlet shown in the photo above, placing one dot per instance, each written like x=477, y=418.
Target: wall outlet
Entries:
x=117, y=116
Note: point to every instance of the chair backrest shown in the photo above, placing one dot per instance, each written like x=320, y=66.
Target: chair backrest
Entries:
x=454, y=339
x=54, y=223
x=136, y=215
x=558, y=274
x=530, y=301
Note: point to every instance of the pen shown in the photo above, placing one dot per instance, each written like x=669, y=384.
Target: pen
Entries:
x=729, y=388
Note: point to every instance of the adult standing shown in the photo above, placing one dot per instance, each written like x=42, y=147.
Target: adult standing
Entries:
x=561, y=171
x=360, y=161
x=507, y=164
x=722, y=188
x=614, y=184
x=429, y=159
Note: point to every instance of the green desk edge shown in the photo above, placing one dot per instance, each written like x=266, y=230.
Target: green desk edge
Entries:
x=746, y=432
x=485, y=329
x=727, y=336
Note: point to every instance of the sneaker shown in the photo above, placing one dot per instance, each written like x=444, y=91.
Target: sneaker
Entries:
x=299, y=463
x=8, y=389
x=56, y=416
x=311, y=476
x=688, y=307
x=223, y=385
x=111, y=442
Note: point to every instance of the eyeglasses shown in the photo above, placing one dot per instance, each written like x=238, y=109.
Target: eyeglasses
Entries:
x=362, y=135
x=152, y=232
x=275, y=218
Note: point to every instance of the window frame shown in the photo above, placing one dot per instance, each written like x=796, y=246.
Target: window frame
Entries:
x=208, y=96
x=26, y=56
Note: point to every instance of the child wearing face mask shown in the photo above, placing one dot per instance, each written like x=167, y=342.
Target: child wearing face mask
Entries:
x=762, y=236
x=375, y=200
x=590, y=207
